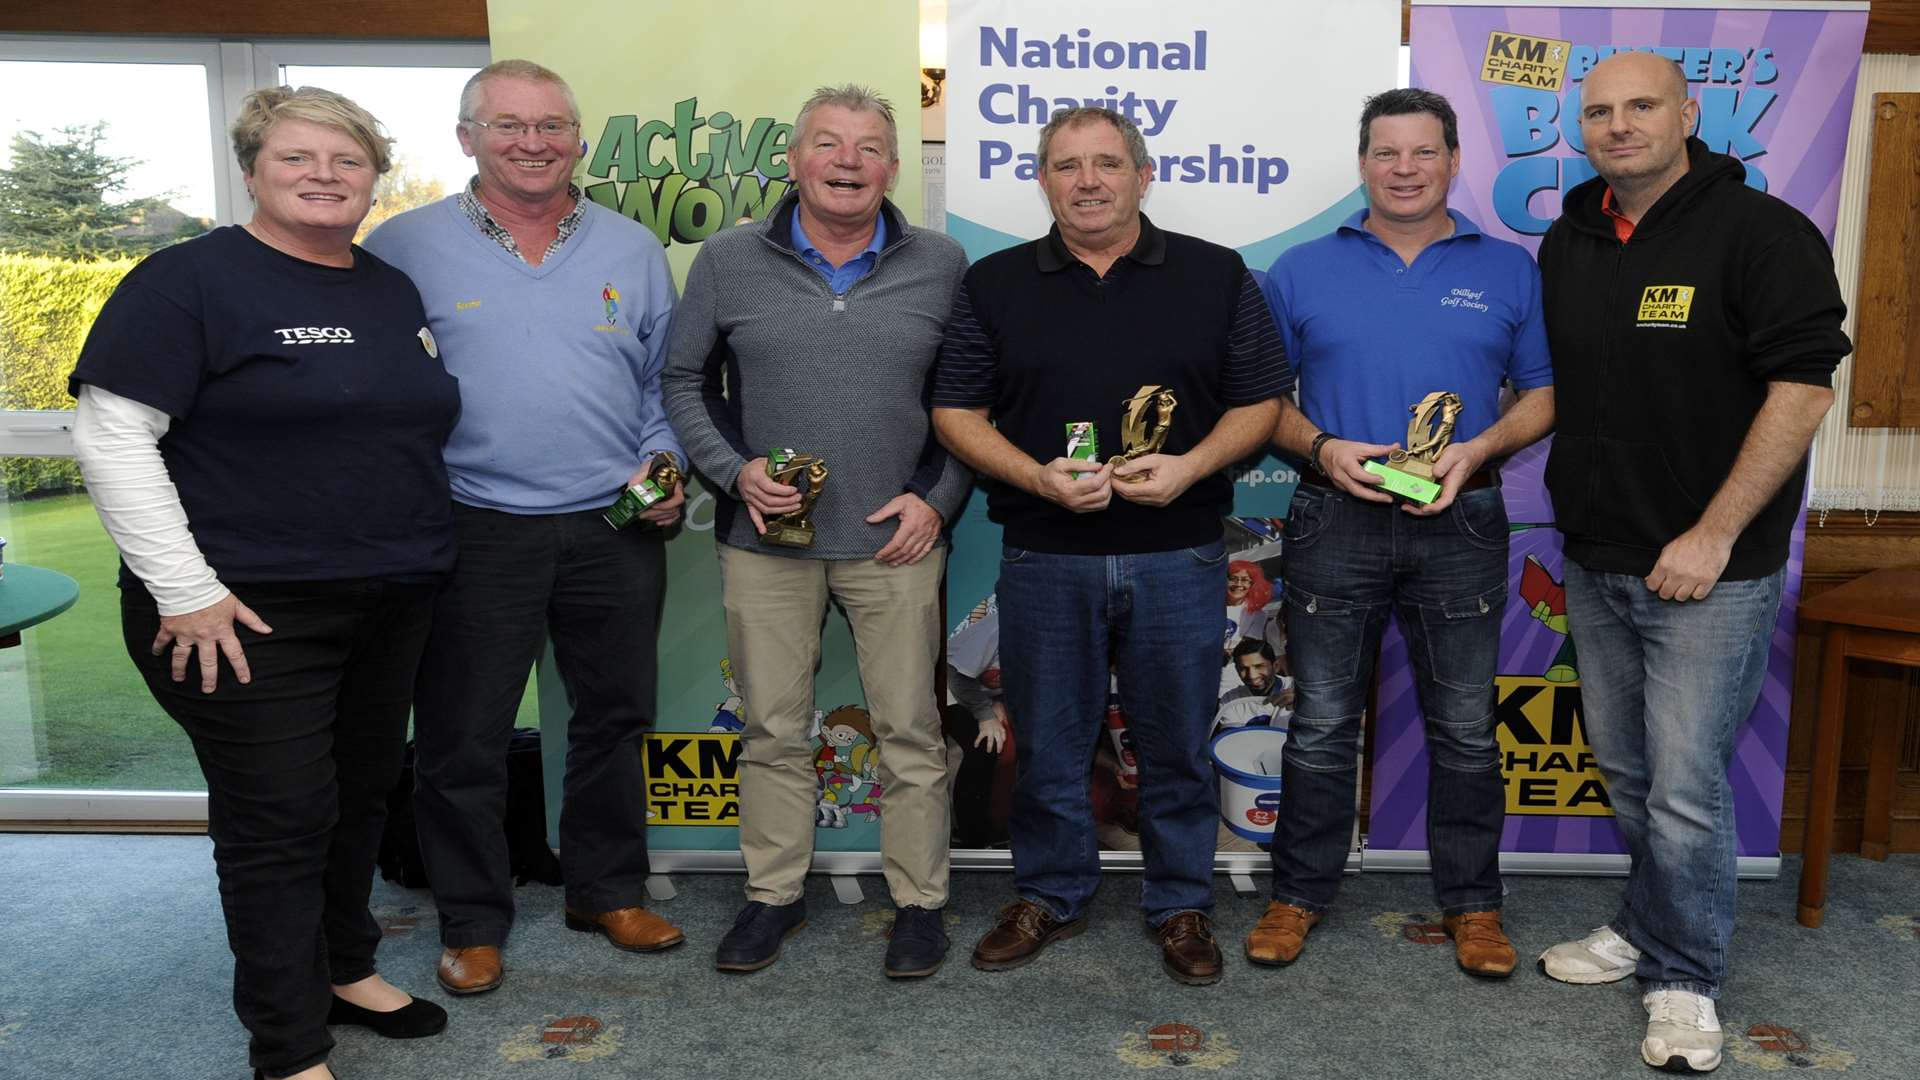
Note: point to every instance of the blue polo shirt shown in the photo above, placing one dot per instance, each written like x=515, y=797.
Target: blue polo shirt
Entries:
x=1369, y=336
x=840, y=278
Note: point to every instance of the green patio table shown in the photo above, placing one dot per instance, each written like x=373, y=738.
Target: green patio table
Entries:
x=30, y=595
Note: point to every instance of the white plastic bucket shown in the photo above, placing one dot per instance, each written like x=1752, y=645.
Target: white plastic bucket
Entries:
x=1248, y=761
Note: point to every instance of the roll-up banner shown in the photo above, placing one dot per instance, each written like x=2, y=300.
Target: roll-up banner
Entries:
x=686, y=110
x=1775, y=83
x=1248, y=110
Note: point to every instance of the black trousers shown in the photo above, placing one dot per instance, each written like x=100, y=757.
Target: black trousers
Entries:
x=298, y=765
x=596, y=593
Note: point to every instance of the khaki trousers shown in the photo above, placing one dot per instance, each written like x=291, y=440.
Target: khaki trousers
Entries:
x=774, y=609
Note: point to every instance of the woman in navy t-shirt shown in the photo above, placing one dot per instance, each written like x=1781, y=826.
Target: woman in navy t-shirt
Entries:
x=260, y=421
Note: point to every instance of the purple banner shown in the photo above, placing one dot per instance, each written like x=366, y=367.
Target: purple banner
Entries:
x=1775, y=88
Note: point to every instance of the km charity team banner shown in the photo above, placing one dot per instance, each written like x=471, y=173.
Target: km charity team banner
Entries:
x=1775, y=85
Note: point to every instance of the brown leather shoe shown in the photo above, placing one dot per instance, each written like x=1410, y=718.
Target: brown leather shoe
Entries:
x=472, y=970
x=1024, y=929
x=1188, y=951
x=1277, y=939
x=634, y=929
x=1480, y=945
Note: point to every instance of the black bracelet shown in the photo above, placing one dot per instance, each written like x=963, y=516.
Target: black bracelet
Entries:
x=1313, y=452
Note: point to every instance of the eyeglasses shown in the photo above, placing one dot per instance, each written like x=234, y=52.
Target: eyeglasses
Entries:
x=513, y=129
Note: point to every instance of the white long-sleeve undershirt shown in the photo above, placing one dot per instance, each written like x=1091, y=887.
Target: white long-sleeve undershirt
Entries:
x=117, y=441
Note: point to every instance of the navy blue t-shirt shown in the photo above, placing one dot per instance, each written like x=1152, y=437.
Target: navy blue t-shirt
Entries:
x=309, y=408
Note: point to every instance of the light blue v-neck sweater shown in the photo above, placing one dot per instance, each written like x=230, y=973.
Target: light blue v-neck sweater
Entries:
x=559, y=364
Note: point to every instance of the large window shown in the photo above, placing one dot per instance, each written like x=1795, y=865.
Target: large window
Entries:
x=109, y=150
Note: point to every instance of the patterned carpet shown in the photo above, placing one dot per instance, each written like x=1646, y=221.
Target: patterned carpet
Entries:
x=113, y=963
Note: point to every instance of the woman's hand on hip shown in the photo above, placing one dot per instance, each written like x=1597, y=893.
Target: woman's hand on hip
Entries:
x=209, y=632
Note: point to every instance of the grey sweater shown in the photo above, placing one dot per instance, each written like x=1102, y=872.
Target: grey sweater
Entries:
x=844, y=377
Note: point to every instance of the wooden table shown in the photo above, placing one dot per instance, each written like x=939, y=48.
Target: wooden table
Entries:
x=30, y=595
x=1875, y=617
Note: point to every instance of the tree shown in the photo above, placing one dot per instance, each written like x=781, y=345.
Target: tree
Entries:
x=59, y=197
x=400, y=190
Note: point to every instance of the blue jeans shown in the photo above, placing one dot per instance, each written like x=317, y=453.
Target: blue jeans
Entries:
x=1348, y=563
x=1155, y=618
x=1664, y=688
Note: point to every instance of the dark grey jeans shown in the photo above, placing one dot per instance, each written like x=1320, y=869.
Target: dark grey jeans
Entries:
x=1347, y=565
x=520, y=579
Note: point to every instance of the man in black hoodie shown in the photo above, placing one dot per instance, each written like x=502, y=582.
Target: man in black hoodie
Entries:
x=1695, y=326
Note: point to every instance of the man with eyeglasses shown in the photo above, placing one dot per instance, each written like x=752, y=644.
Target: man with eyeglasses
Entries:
x=552, y=312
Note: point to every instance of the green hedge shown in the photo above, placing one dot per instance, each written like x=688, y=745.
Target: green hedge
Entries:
x=47, y=306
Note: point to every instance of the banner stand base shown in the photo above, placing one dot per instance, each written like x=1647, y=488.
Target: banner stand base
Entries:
x=1237, y=864
x=1748, y=867
x=846, y=888
x=839, y=864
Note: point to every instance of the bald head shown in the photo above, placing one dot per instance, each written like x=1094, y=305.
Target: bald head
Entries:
x=1635, y=117
x=1643, y=66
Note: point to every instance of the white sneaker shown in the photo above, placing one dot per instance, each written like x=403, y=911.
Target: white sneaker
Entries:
x=1601, y=957
x=1683, y=1034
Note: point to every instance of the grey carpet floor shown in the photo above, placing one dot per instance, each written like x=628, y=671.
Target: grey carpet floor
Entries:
x=113, y=963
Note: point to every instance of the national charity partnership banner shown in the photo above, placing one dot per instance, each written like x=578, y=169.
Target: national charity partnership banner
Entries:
x=1775, y=87
x=1249, y=111
x=687, y=111
x=1247, y=106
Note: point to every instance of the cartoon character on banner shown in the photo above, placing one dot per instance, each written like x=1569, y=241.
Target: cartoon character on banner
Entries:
x=980, y=729
x=973, y=675
x=730, y=716
x=1115, y=790
x=847, y=768
x=1547, y=602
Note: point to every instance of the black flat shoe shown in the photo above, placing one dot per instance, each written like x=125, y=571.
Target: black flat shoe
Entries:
x=415, y=1020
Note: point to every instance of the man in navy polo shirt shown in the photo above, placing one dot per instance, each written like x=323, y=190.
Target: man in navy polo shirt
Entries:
x=1405, y=298
x=1108, y=566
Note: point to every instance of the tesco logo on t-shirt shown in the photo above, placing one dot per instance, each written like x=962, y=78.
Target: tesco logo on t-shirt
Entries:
x=315, y=335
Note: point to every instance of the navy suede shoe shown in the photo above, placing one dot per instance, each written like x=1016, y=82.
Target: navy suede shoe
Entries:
x=918, y=943
x=757, y=934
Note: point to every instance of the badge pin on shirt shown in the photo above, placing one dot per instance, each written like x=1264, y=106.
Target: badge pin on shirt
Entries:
x=427, y=343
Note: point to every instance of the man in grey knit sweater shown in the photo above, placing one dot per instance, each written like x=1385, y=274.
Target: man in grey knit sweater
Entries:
x=824, y=321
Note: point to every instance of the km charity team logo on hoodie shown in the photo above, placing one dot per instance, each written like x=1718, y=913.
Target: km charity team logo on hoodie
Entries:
x=1666, y=305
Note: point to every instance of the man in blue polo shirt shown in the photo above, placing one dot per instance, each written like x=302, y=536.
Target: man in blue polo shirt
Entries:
x=1404, y=299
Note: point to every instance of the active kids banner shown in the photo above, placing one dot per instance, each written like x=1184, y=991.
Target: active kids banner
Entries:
x=687, y=113
x=1775, y=87
x=1248, y=109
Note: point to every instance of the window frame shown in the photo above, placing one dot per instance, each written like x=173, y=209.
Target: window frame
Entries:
x=233, y=68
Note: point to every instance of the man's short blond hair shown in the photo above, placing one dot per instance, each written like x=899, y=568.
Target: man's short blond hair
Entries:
x=525, y=70
x=262, y=109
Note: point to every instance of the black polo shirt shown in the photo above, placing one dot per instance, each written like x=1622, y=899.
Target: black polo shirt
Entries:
x=1041, y=341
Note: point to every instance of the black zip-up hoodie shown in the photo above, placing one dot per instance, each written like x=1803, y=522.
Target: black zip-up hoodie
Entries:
x=1662, y=350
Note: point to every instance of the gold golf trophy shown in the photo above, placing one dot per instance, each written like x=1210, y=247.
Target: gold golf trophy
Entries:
x=1144, y=420
x=1409, y=473
x=806, y=472
x=663, y=473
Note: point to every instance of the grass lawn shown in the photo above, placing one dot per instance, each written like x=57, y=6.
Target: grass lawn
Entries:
x=96, y=725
